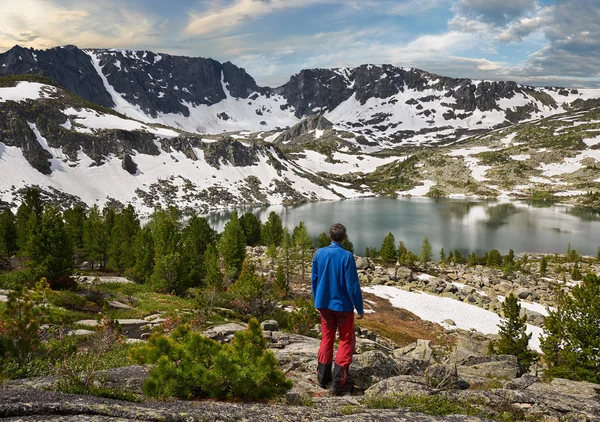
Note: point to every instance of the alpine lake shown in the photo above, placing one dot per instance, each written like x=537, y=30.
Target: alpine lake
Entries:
x=464, y=224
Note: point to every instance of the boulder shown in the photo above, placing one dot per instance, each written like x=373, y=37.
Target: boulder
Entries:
x=523, y=293
x=495, y=366
x=371, y=367
x=397, y=386
x=118, y=305
x=224, y=333
x=270, y=325
x=363, y=263
x=419, y=351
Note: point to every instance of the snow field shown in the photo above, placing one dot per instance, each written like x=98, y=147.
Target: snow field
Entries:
x=437, y=309
x=25, y=91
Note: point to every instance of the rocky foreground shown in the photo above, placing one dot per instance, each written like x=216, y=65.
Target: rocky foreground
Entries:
x=488, y=385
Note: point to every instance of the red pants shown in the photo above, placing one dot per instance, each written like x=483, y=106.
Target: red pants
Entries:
x=331, y=321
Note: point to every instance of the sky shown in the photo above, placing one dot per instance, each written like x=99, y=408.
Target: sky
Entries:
x=537, y=42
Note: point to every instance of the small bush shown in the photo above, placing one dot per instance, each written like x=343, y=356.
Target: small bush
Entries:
x=304, y=317
x=189, y=365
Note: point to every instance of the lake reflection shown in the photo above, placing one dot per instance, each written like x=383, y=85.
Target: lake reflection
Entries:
x=468, y=225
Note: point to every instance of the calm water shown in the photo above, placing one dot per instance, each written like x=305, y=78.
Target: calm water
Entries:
x=468, y=225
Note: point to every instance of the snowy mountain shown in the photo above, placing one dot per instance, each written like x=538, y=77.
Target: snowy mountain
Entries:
x=384, y=106
x=77, y=151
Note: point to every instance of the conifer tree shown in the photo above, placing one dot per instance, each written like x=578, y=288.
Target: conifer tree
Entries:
x=171, y=271
x=32, y=205
x=304, y=244
x=576, y=272
x=74, y=222
x=8, y=233
x=214, y=277
x=232, y=246
x=286, y=255
x=348, y=245
x=323, y=240
x=426, y=254
x=494, y=258
x=196, y=236
x=513, y=336
x=272, y=230
x=571, y=341
x=509, y=259
x=388, y=252
x=144, y=256
x=442, y=256
x=473, y=259
x=49, y=248
x=251, y=295
x=121, y=252
x=282, y=287
x=401, y=249
x=543, y=264
x=95, y=238
x=252, y=229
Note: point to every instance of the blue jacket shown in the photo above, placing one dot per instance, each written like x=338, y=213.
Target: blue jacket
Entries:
x=335, y=283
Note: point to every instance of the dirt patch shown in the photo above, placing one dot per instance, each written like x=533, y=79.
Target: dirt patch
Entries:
x=399, y=325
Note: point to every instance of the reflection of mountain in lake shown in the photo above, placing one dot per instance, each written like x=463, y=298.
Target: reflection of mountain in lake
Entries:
x=585, y=214
x=541, y=204
x=498, y=215
x=459, y=209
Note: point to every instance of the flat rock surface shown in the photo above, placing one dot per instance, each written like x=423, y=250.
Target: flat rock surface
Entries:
x=17, y=404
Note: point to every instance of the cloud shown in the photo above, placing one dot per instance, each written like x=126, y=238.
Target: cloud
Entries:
x=496, y=12
x=222, y=17
x=48, y=23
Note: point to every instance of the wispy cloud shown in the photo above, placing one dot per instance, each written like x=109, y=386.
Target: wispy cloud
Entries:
x=47, y=23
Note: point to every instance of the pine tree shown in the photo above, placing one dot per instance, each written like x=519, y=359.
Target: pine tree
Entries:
x=571, y=341
x=171, y=271
x=426, y=254
x=509, y=259
x=120, y=249
x=49, y=249
x=473, y=259
x=576, y=272
x=8, y=233
x=323, y=241
x=74, y=222
x=513, y=336
x=494, y=258
x=402, y=250
x=543, y=264
x=214, y=277
x=282, y=287
x=32, y=205
x=442, y=256
x=388, y=252
x=95, y=238
x=252, y=228
x=195, y=239
x=251, y=295
x=348, y=245
x=272, y=230
x=458, y=257
x=287, y=256
x=304, y=244
x=144, y=256
x=232, y=246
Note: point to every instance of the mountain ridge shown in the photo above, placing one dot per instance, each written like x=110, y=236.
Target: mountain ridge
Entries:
x=390, y=106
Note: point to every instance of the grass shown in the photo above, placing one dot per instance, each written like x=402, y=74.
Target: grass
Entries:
x=440, y=406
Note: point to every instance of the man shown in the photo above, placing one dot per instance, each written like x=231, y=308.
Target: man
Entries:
x=336, y=291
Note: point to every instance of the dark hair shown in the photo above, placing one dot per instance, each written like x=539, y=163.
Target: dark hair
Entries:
x=337, y=232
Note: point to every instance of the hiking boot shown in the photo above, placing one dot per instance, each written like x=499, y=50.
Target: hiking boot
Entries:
x=339, y=384
x=324, y=374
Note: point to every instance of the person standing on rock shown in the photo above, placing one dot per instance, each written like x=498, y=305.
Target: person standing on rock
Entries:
x=336, y=290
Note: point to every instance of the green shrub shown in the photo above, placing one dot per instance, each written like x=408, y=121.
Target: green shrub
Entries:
x=189, y=365
x=251, y=295
x=303, y=317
